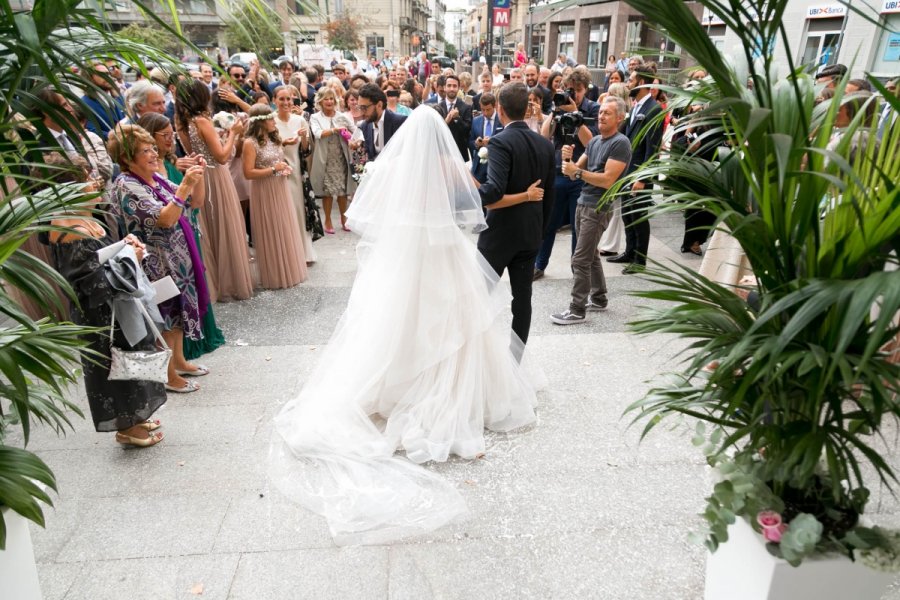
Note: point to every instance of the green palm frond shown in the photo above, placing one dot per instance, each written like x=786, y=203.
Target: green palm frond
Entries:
x=53, y=45
x=816, y=209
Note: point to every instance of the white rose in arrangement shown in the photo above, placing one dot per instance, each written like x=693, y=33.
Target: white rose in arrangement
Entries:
x=223, y=120
x=342, y=120
x=483, y=155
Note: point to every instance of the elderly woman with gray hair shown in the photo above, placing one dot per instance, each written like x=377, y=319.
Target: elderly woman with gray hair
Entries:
x=330, y=172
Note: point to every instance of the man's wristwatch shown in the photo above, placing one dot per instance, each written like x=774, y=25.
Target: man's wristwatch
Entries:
x=578, y=174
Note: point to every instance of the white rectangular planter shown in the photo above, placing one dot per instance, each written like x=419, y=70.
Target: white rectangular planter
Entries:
x=742, y=569
x=18, y=571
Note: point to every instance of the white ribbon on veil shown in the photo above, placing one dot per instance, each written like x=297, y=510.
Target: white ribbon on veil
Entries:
x=420, y=360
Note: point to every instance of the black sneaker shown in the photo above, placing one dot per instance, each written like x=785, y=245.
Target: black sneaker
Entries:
x=538, y=273
x=566, y=318
x=596, y=307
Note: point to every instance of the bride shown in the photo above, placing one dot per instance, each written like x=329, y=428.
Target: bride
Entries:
x=420, y=362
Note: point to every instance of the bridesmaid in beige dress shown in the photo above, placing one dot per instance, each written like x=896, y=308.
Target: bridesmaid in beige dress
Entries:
x=225, y=248
x=290, y=123
x=276, y=232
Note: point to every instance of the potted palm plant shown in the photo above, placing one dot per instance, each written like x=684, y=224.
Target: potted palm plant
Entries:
x=792, y=389
x=45, y=46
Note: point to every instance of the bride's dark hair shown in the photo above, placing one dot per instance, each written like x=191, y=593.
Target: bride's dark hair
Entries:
x=257, y=129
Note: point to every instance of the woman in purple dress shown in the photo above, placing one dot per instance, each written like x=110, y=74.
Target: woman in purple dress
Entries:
x=153, y=209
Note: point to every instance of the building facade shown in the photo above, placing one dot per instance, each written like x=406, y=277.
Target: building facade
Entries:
x=585, y=30
x=825, y=33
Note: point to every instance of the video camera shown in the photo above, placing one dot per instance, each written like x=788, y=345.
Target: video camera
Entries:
x=568, y=122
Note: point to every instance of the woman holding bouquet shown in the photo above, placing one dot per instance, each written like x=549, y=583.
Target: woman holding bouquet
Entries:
x=279, y=250
x=291, y=124
x=330, y=173
x=228, y=257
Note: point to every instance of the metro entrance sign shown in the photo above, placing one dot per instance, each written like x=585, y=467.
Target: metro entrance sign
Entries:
x=501, y=13
x=501, y=17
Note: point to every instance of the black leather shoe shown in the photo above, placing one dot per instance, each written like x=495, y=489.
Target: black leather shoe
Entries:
x=621, y=258
x=607, y=253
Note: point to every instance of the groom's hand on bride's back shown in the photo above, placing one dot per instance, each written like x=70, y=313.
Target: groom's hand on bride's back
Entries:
x=535, y=192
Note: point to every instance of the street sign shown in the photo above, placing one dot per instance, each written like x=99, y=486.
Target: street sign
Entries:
x=501, y=16
x=501, y=4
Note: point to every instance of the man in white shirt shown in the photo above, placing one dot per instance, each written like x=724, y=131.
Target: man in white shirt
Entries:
x=206, y=73
x=380, y=124
x=457, y=114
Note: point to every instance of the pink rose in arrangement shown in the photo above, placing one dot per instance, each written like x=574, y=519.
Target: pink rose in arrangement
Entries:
x=772, y=526
x=346, y=135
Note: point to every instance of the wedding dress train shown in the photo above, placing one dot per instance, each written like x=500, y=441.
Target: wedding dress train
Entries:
x=420, y=362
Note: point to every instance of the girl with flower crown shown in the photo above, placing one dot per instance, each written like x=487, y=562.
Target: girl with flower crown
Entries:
x=279, y=249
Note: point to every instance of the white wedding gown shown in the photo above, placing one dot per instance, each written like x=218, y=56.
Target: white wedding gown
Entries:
x=419, y=363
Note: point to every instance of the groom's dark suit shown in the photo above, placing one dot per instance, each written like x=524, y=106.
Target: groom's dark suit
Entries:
x=517, y=157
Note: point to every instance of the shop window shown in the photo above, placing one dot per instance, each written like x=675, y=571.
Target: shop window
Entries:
x=886, y=62
x=823, y=38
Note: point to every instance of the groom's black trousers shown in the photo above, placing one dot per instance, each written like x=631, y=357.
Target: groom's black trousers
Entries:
x=520, y=264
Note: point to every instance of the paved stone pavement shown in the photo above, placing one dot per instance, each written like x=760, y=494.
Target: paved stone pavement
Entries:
x=572, y=508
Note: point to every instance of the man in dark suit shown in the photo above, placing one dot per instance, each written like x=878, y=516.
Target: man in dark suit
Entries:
x=634, y=208
x=532, y=75
x=484, y=127
x=517, y=157
x=457, y=115
x=380, y=123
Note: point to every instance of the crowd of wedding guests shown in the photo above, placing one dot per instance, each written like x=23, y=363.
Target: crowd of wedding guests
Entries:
x=224, y=181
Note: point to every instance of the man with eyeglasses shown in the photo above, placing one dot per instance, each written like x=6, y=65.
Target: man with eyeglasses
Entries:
x=380, y=124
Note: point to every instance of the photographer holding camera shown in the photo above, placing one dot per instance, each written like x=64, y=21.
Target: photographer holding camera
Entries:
x=574, y=122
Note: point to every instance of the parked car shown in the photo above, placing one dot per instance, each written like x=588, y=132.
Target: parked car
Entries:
x=283, y=58
x=245, y=58
x=445, y=61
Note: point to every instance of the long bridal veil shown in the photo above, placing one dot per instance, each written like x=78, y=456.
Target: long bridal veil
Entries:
x=420, y=361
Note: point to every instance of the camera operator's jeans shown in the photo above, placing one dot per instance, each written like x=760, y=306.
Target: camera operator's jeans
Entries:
x=566, y=193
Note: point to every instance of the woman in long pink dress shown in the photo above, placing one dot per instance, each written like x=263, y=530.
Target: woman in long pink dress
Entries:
x=225, y=247
x=279, y=248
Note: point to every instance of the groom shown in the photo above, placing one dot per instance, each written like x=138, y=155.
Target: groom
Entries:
x=517, y=157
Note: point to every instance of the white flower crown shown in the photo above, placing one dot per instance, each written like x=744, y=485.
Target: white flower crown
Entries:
x=271, y=115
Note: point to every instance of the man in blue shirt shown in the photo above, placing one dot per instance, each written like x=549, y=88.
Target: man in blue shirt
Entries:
x=103, y=100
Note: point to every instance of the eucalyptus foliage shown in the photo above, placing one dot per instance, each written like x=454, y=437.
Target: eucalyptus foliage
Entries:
x=42, y=47
x=805, y=381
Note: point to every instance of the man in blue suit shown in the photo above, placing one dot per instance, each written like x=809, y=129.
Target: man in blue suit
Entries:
x=380, y=123
x=483, y=127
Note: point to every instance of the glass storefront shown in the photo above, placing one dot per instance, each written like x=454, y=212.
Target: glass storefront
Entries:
x=823, y=38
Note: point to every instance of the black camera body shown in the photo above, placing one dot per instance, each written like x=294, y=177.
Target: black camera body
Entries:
x=562, y=98
x=570, y=121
